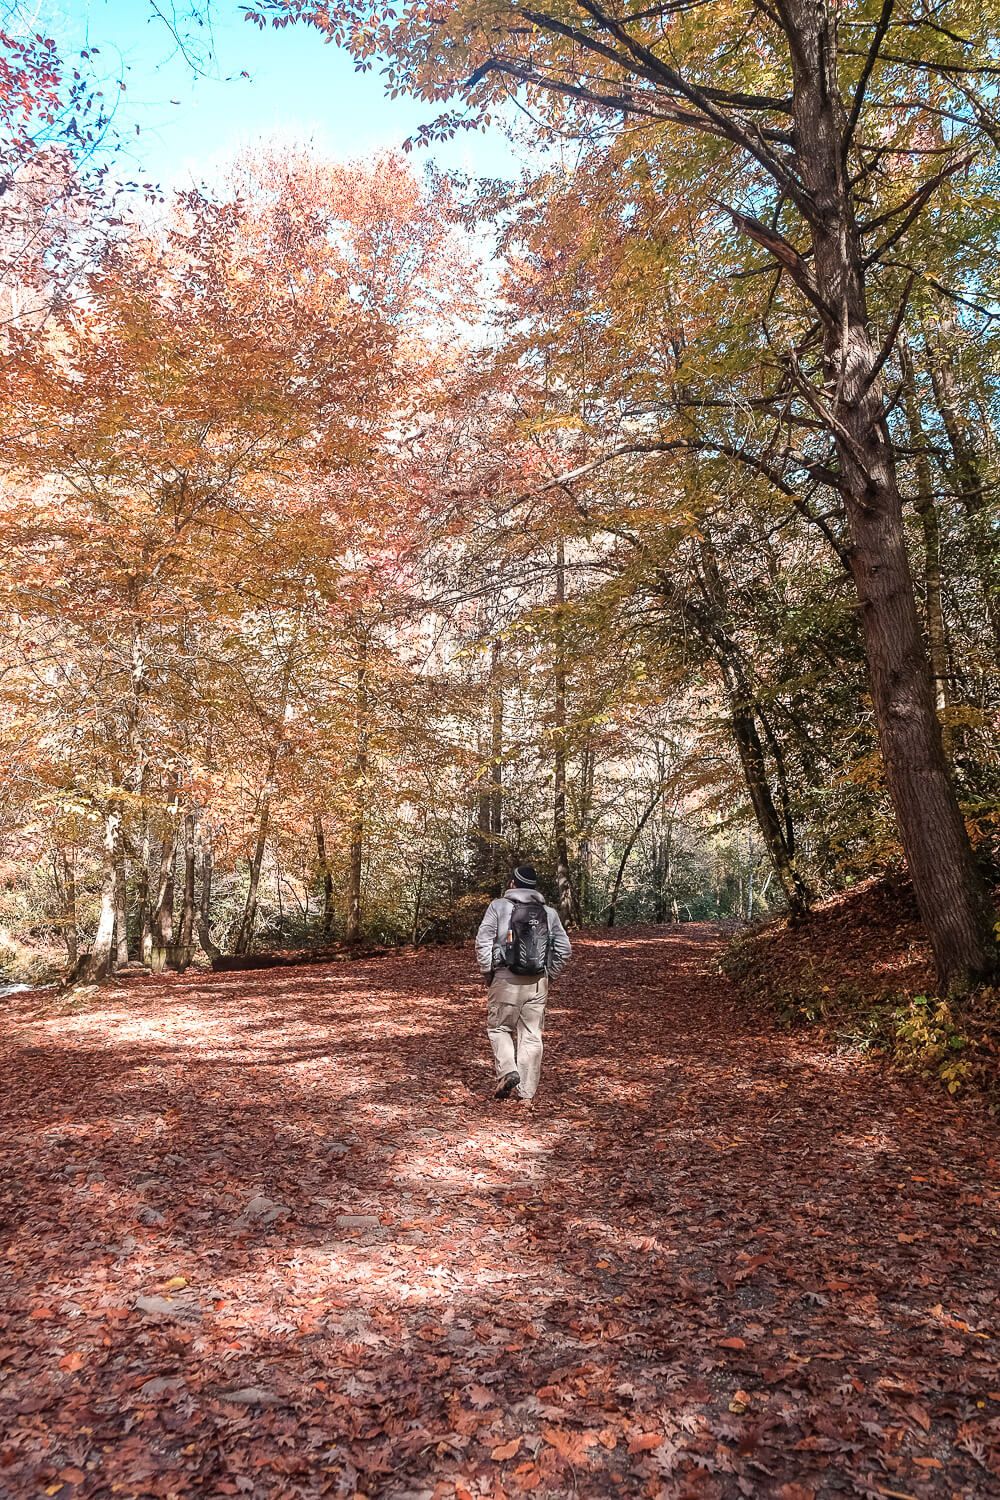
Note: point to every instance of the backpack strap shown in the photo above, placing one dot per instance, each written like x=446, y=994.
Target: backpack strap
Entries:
x=505, y=910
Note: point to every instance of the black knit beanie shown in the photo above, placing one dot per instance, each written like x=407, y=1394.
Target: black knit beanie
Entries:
x=525, y=876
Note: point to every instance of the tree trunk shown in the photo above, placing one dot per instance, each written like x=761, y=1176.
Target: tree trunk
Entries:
x=143, y=902
x=102, y=956
x=482, y=853
x=926, y=508
x=487, y=812
x=244, y=937
x=664, y=863
x=496, y=768
x=325, y=872
x=280, y=899
x=211, y=949
x=612, y=907
x=948, y=890
x=585, y=856
x=64, y=870
x=145, y=907
x=769, y=821
x=163, y=912
x=121, y=914
x=967, y=478
x=357, y=826
x=566, y=901
x=418, y=903
x=185, y=943
x=715, y=627
x=780, y=779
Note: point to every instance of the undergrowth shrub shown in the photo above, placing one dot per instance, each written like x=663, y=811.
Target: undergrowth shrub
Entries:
x=955, y=1041
x=928, y=1040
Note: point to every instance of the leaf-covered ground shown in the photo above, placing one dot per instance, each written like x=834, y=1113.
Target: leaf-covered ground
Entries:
x=866, y=942
x=267, y=1235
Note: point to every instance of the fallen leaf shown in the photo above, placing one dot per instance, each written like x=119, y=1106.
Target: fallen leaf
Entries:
x=506, y=1450
x=569, y=1445
x=645, y=1442
x=361, y=1342
x=919, y=1414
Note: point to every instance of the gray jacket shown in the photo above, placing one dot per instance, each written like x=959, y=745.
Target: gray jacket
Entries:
x=489, y=948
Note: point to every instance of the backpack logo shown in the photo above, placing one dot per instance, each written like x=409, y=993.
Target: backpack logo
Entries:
x=526, y=945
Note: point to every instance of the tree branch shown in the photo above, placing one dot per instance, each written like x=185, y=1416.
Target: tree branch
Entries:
x=917, y=202
x=784, y=253
x=884, y=22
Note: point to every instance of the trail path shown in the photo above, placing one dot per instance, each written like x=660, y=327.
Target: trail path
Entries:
x=266, y=1234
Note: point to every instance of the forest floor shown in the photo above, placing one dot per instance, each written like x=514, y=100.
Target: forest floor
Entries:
x=266, y=1234
x=860, y=973
x=864, y=944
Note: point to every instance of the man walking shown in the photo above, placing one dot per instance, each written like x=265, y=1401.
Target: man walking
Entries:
x=521, y=944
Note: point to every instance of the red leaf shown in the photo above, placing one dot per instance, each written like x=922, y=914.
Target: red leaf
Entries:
x=506, y=1450
x=570, y=1445
x=645, y=1442
x=920, y=1415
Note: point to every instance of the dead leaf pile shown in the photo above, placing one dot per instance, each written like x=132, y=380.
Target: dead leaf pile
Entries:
x=267, y=1235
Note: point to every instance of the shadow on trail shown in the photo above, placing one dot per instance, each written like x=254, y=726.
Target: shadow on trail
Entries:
x=710, y=1263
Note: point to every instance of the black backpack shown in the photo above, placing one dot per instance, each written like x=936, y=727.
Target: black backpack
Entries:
x=526, y=941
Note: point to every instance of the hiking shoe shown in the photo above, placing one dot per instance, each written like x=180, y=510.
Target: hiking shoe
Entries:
x=507, y=1085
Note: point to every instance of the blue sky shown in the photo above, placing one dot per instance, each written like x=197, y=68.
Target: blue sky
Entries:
x=298, y=90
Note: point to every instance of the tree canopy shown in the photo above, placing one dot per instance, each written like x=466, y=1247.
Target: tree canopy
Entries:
x=366, y=531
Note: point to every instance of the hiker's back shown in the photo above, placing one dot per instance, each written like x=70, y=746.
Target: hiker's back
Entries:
x=526, y=940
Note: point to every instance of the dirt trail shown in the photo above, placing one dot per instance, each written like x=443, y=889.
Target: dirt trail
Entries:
x=710, y=1263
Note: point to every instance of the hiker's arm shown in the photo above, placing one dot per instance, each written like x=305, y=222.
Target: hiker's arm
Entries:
x=560, y=948
x=486, y=939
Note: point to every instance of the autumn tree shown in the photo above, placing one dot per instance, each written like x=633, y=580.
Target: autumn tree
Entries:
x=219, y=459
x=787, y=108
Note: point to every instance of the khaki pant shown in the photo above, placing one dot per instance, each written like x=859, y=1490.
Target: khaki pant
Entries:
x=514, y=1021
